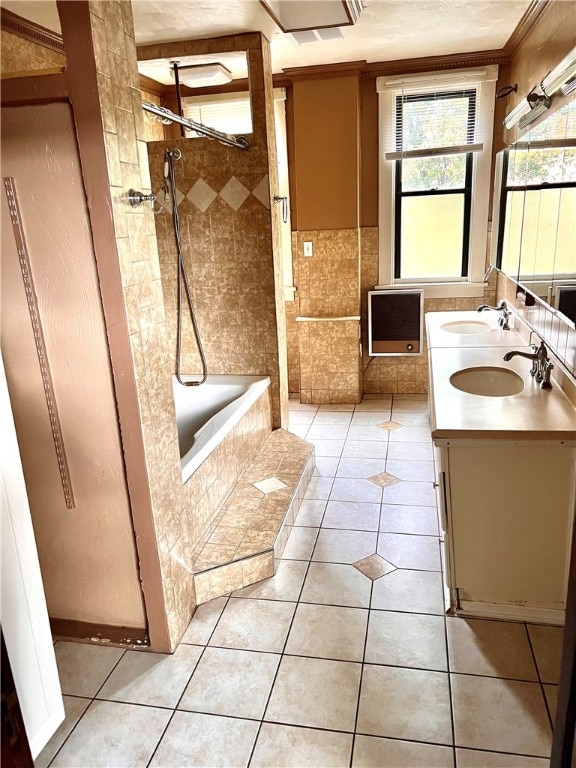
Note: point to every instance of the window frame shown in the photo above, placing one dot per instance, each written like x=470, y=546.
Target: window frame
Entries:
x=478, y=168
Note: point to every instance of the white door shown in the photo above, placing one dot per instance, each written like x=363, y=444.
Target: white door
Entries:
x=23, y=611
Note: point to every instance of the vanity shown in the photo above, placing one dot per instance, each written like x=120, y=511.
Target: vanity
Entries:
x=505, y=456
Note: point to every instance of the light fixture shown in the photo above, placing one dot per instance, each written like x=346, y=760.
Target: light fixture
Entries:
x=506, y=91
x=528, y=110
x=562, y=77
x=293, y=16
x=202, y=75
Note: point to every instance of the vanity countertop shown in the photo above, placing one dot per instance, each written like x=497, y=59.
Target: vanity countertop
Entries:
x=494, y=336
x=533, y=414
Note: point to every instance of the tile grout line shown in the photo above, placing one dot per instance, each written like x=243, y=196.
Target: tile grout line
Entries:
x=542, y=689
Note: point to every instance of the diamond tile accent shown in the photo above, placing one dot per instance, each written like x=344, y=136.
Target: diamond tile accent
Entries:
x=234, y=193
x=262, y=192
x=167, y=204
x=269, y=485
x=389, y=425
x=374, y=566
x=383, y=479
x=202, y=195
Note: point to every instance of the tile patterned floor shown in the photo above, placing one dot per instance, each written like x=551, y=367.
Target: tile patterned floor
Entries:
x=345, y=657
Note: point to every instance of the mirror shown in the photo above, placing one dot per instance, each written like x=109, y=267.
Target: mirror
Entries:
x=535, y=210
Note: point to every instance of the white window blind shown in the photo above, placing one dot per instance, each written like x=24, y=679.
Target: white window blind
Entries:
x=429, y=115
x=229, y=113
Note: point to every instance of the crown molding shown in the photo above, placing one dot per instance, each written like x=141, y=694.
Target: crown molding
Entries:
x=28, y=30
x=531, y=17
x=321, y=71
x=433, y=63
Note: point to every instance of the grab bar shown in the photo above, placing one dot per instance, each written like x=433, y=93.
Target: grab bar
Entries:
x=210, y=133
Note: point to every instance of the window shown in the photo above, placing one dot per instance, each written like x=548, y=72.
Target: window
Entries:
x=227, y=112
x=435, y=137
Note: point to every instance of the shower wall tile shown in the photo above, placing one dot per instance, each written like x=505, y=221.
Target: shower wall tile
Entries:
x=19, y=55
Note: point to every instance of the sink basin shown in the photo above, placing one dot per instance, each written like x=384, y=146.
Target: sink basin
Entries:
x=466, y=326
x=488, y=381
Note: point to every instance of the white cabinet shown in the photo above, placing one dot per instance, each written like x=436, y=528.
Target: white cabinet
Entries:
x=506, y=512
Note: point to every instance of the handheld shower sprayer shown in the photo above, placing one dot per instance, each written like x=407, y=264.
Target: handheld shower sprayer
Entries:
x=169, y=154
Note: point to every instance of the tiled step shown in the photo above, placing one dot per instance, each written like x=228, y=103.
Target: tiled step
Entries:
x=250, y=531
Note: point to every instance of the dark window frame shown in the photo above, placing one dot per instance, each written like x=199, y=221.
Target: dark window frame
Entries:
x=466, y=190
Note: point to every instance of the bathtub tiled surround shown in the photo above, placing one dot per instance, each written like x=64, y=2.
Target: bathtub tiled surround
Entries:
x=229, y=239
x=250, y=531
x=321, y=664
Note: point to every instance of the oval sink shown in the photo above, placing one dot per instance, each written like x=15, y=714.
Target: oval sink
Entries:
x=466, y=326
x=488, y=381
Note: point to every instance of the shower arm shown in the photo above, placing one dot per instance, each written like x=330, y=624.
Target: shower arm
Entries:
x=210, y=133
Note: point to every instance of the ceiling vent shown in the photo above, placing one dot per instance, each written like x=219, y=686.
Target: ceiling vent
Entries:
x=316, y=35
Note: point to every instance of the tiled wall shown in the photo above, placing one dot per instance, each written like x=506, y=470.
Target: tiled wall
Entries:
x=324, y=363
x=152, y=124
x=330, y=286
x=19, y=55
x=228, y=238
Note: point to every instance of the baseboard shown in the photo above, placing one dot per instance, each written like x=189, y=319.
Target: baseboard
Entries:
x=101, y=634
x=511, y=612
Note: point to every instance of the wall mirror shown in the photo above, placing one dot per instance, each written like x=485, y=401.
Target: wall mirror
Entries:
x=534, y=235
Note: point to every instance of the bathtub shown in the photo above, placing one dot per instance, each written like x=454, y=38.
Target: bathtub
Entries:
x=206, y=414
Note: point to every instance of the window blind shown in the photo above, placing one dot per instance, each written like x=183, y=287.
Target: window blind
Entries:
x=229, y=113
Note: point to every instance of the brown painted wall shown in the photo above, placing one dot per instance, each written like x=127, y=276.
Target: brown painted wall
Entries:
x=19, y=55
x=368, y=153
x=87, y=554
x=326, y=153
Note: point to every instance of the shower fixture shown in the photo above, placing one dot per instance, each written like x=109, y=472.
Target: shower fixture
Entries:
x=136, y=198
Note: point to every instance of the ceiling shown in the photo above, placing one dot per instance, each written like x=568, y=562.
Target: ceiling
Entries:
x=387, y=30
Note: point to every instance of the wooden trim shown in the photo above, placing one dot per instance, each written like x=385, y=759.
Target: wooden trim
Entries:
x=320, y=71
x=530, y=18
x=35, y=33
x=225, y=44
x=106, y=634
x=434, y=63
x=288, y=30
x=37, y=89
x=152, y=86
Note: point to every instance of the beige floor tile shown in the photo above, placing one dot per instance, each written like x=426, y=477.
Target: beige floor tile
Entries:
x=547, y=644
x=319, y=488
x=331, y=584
x=468, y=758
x=301, y=418
x=405, y=704
x=342, y=546
x=328, y=431
x=419, y=553
x=408, y=419
x=315, y=692
x=374, y=752
x=300, y=544
x=406, y=640
x=255, y=625
x=296, y=405
x=326, y=447
x=284, y=585
x=204, y=621
x=404, y=469
x=231, y=682
x=292, y=747
x=410, y=434
x=83, y=668
x=336, y=407
x=398, y=518
x=328, y=632
x=333, y=417
x=198, y=741
x=500, y=715
x=411, y=493
x=551, y=693
x=360, y=468
x=493, y=648
x=365, y=449
x=155, y=679
x=326, y=466
x=409, y=406
x=311, y=512
x=352, y=515
x=410, y=451
x=370, y=418
x=112, y=734
x=379, y=403
x=354, y=489
x=374, y=566
x=300, y=430
x=413, y=591
x=372, y=433
x=74, y=708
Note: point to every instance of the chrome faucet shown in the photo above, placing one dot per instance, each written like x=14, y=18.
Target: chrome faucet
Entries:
x=541, y=365
x=502, y=308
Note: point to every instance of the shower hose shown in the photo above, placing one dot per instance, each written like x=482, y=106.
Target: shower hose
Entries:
x=170, y=156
